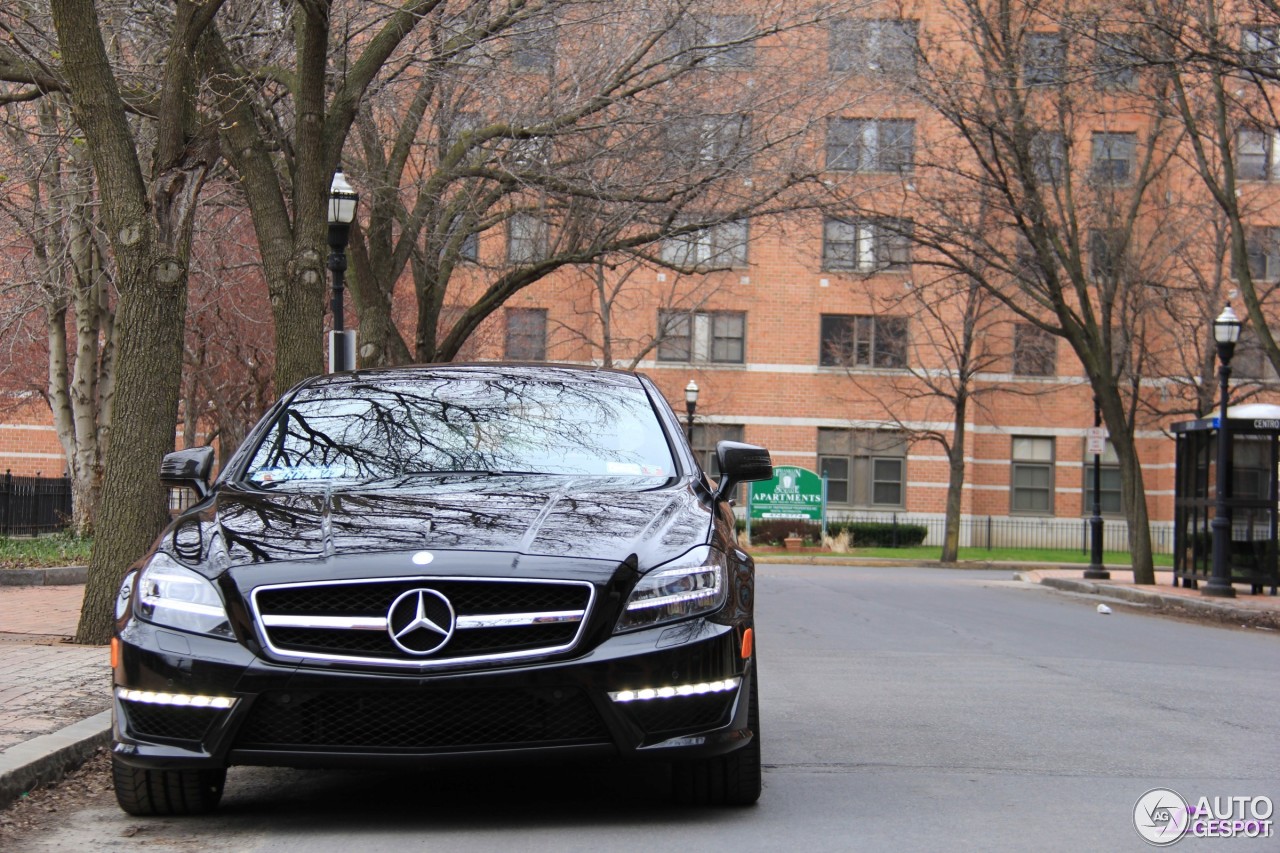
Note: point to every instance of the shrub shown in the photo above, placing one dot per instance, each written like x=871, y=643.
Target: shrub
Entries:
x=860, y=534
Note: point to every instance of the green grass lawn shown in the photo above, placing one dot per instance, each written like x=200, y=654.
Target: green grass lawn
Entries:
x=1000, y=555
x=58, y=549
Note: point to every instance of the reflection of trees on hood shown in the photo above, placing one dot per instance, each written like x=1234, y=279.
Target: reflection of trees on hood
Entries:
x=449, y=421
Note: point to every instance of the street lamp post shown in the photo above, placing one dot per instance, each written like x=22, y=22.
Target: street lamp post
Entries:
x=342, y=211
x=690, y=406
x=1096, y=570
x=1226, y=331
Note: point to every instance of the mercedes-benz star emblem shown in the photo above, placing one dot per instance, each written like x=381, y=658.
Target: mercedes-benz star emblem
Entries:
x=420, y=621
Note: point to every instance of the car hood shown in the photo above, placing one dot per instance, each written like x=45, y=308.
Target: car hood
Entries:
x=610, y=519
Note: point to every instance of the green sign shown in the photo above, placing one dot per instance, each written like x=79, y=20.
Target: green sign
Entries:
x=793, y=492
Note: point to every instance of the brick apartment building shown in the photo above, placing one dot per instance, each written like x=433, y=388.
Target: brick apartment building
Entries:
x=804, y=335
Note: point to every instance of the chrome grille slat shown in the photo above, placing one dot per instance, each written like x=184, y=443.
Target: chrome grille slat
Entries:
x=301, y=621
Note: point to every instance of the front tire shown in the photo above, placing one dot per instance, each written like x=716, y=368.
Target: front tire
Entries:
x=725, y=780
x=148, y=793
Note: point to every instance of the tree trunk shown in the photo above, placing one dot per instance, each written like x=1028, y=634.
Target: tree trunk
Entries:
x=955, y=484
x=150, y=235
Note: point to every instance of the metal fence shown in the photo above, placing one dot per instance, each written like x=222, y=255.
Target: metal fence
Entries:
x=987, y=531
x=31, y=505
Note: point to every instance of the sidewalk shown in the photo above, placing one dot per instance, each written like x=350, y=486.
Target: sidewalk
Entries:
x=55, y=697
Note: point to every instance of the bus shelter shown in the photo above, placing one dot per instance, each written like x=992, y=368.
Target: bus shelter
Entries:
x=1252, y=497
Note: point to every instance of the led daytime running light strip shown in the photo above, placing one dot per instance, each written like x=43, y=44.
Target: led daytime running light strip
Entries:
x=151, y=697
x=699, y=689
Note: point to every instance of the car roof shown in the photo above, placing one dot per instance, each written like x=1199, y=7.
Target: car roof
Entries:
x=480, y=371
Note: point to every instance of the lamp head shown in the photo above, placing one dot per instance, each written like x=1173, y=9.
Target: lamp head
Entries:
x=691, y=394
x=1226, y=327
x=342, y=200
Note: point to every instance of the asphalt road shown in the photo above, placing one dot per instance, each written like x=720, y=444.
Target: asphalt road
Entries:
x=903, y=709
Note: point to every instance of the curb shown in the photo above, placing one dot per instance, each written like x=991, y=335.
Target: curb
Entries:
x=48, y=758
x=1209, y=611
x=58, y=576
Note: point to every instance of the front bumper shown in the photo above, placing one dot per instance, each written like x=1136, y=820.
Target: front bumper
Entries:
x=328, y=716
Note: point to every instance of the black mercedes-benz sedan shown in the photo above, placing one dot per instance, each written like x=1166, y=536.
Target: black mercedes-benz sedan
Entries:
x=460, y=562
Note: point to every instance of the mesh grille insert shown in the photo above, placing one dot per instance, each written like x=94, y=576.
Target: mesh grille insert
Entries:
x=421, y=721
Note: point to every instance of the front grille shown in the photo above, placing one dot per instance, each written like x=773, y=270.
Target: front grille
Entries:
x=168, y=722
x=681, y=713
x=493, y=619
x=421, y=721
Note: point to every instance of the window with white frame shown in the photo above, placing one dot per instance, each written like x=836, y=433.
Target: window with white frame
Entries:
x=1031, y=476
x=863, y=340
x=1257, y=154
x=1110, y=500
x=718, y=141
x=723, y=245
x=1260, y=48
x=866, y=245
x=702, y=336
x=871, y=144
x=528, y=239
x=863, y=467
x=874, y=45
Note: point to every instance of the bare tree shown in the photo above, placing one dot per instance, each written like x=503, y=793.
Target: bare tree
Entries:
x=51, y=204
x=512, y=147
x=1055, y=196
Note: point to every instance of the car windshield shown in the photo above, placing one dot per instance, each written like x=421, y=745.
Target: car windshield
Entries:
x=444, y=423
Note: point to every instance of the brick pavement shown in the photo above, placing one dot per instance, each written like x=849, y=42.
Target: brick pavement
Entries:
x=46, y=684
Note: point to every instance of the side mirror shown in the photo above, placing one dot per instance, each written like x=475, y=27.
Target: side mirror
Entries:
x=189, y=468
x=741, y=463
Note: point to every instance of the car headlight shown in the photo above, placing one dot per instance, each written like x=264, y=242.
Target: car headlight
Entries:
x=687, y=586
x=172, y=595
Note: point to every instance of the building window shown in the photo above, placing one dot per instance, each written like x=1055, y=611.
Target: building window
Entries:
x=1260, y=48
x=859, y=340
x=723, y=245
x=1262, y=246
x=719, y=41
x=527, y=239
x=1049, y=156
x=1044, y=59
x=1114, y=157
x=871, y=145
x=1110, y=494
x=1031, y=476
x=705, y=439
x=469, y=249
x=1106, y=254
x=866, y=245
x=533, y=45
x=864, y=468
x=1257, y=157
x=716, y=141
x=526, y=338
x=1250, y=362
x=711, y=336
x=874, y=45
x=1035, y=351
x=1115, y=61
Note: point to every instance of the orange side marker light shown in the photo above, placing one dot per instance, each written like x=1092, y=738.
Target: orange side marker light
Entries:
x=115, y=652
x=748, y=643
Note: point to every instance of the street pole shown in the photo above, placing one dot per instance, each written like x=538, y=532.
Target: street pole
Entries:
x=342, y=211
x=1096, y=570
x=1226, y=331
